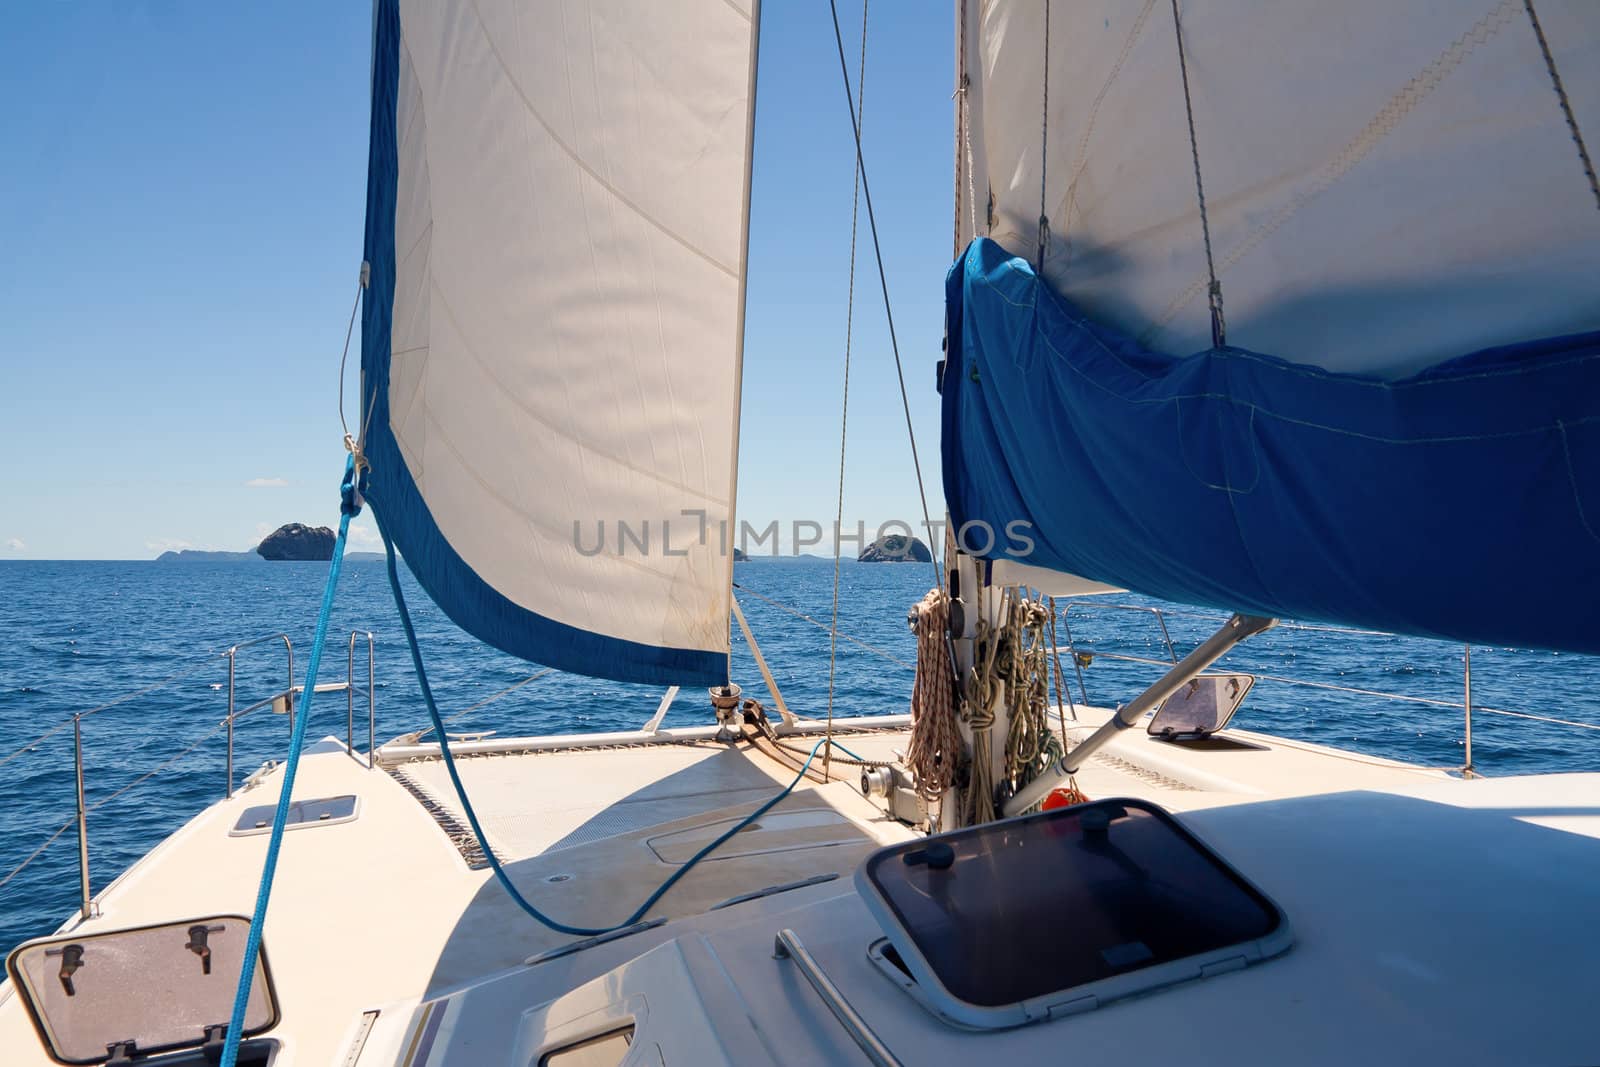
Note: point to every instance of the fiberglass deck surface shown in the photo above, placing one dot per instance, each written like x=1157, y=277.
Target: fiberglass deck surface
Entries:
x=382, y=912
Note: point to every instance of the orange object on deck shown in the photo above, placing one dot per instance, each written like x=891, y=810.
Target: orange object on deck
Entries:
x=1064, y=797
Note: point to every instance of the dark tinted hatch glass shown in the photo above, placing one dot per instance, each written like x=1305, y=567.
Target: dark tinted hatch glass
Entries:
x=1019, y=909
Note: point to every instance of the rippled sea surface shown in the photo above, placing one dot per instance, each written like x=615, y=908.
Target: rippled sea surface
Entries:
x=74, y=636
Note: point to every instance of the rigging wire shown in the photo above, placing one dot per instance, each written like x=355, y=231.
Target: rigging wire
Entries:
x=198, y=666
x=1566, y=105
x=349, y=331
x=891, y=657
x=1044, y=145
x=102, y=802
x=512, y=688
x=1219, y=327
x=29, y=746
x=35, y=853
x=844, y=412
x=883, y=282
x=960, y=95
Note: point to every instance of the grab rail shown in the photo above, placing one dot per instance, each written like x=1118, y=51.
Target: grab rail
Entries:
x=350, y=700
x=283, y=700
x=233, y=653
x=787, y=946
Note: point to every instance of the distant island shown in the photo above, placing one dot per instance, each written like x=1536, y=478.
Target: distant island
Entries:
x=297, y=541
x=896, y=548
x=293, y=541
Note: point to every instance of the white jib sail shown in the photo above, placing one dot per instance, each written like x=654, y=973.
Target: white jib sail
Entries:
x=563, y=367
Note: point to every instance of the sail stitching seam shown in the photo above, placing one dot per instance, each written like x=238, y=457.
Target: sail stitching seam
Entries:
x=584, y=164
x=1572, y=479
x=1244, y=354
x=1255, y=458
x=1069, y=199
x=1380, y=126
x=1240, y=353
x=422, y=364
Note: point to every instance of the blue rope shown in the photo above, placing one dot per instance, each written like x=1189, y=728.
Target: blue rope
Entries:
x=349, y=507
x=472, y=815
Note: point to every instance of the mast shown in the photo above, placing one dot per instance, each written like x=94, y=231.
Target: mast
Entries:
x=732, y=536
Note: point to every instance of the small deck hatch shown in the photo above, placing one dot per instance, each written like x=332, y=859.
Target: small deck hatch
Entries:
x=604, y=1050
x=1000, y=924
x=321, y=811
x=1201, y=706
x=144, y=991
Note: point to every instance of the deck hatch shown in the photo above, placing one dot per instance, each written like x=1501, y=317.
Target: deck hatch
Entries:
x=140, y=991
x=1201, y=706
x=1000, y=924
x=319, y=811
x=604, y=1050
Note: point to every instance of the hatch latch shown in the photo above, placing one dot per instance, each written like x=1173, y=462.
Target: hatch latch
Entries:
x=198, y=935
x=71, y=962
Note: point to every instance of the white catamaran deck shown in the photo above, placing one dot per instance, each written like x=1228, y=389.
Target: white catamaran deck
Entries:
x=1385, y=871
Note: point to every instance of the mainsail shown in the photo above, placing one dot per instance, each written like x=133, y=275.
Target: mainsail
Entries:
x=1392, y=413
x=551, y=341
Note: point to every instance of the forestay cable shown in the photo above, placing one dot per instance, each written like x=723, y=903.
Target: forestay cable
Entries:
x=880, y=653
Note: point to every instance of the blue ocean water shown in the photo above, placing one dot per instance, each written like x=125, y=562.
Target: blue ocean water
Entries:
x=76, y=635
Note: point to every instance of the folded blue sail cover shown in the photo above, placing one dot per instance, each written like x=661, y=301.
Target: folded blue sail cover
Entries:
x=1462, y=503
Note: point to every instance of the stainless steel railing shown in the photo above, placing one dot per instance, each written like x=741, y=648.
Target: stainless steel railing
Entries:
x=233, y=654
x=282, y=701
x=1080, y=655
x=350, y=699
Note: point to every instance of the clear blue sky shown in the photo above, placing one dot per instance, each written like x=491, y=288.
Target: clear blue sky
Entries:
x=181, y=204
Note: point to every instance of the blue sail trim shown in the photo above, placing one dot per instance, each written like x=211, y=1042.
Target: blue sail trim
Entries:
x=469, y=601
x=1461, y=503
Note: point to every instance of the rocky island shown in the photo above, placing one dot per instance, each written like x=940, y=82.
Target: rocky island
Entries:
x=896, y=548
x=296, y=541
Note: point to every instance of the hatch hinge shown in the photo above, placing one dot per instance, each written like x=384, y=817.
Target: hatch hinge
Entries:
x=216, y=1038
x=121, y=1051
